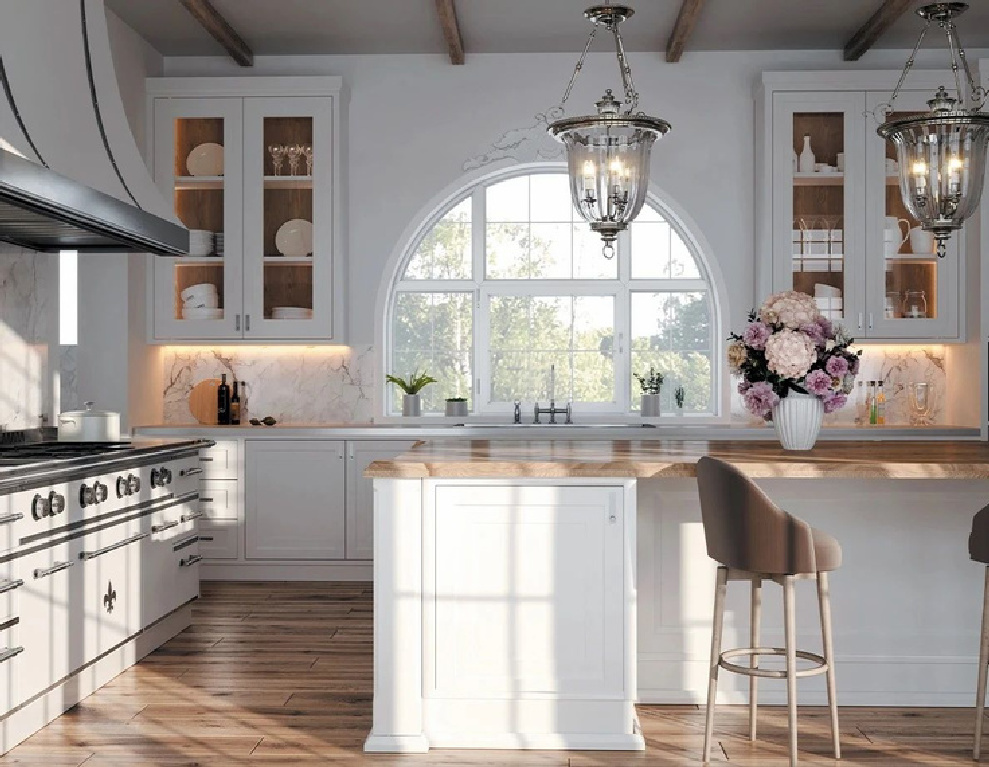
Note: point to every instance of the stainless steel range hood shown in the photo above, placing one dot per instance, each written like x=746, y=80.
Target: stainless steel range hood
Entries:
x=45, y=211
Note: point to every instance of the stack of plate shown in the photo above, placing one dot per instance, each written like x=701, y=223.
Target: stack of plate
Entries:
x=200, y=242
x=291, y=313
x=201, y=302
x=218, y=243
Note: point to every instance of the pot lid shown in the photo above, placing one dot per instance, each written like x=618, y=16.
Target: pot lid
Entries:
x=89, y=412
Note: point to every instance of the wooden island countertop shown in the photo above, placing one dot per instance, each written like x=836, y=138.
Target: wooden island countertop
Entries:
x=489, y=459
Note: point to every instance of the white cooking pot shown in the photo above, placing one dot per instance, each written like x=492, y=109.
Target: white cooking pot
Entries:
x=89, y=425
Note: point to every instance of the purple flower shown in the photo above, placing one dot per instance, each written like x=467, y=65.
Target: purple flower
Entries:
x=835, y=401
x=814, y=332
x=743, y=386
x=756, y=335
x=837, y=366
x=818, y=382
x=760, y=398
x=827, y=329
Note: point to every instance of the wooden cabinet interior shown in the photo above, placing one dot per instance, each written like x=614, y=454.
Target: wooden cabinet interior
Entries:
x=287, y=284
x=286, y=131
x=190, y=132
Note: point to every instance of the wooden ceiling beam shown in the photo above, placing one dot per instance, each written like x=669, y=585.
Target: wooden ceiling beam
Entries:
x=447, y=11
x=690, y=10
x=875, y=27
x=220, y=30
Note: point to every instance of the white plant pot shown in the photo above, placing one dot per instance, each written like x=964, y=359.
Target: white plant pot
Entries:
x=456, y=409
x=797, y=420
x=650, y=406
x=411, y=405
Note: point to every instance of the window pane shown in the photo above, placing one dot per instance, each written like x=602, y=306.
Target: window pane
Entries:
x=445, y=253
x=588, y=261
x=508, y=201
x=507, y=251
x=433, y=333
x=658, y=252
x=549, y=251
x=550, y=198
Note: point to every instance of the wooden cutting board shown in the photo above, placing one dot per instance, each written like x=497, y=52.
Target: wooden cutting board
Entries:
x=202, y=401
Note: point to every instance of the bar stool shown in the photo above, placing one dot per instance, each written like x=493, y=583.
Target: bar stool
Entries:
x=978, y=549
x=753, y=540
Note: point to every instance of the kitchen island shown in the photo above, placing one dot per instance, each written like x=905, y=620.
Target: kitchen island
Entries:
x=529, y=593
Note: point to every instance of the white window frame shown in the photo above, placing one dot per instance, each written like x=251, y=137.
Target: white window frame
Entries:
x=620, y=288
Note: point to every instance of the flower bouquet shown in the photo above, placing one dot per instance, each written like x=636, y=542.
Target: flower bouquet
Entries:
x=790, y=351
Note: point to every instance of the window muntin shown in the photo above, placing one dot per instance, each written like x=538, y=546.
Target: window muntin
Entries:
x=510, y=281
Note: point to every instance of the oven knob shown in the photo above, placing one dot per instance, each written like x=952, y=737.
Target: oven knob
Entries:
x=101, y=491
x=86, y=496
x=133, y=483
x=56, y=503
x=123, y=488
x=167, y=473
x=156, y=478
x=39, y=507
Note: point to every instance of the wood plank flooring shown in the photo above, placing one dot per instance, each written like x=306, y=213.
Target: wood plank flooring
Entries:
x=279, y=675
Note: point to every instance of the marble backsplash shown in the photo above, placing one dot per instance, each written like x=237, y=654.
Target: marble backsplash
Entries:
x=293, y=385
x=897, y=367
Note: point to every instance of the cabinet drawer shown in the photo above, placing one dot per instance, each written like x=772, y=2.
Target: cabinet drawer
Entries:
x=218, y=498
x=219, y=461
x=218, y=540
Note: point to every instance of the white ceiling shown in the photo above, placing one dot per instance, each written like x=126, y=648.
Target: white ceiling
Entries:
x=279, y=27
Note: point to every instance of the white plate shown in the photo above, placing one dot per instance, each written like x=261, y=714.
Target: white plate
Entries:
x=294, y=238
x=291, y=313
x=202, y=314
x=205, y=160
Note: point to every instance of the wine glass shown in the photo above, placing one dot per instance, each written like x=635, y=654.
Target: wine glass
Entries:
x=294, y=152
x=307, y=150
x=920, y=403
x=277, y=152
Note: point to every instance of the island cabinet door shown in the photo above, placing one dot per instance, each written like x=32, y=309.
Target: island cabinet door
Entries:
x=525, y=591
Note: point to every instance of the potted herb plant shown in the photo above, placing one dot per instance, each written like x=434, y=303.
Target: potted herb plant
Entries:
x=416, y=382
x=679, y=395
x=456, y=406
x=651, y=384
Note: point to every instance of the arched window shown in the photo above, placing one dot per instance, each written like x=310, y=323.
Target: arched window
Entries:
x=506, y=296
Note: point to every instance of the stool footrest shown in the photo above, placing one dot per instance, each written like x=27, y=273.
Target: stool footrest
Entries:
x=748, y=652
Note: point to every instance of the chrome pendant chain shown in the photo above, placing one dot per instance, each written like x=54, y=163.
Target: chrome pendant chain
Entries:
x=631, y=95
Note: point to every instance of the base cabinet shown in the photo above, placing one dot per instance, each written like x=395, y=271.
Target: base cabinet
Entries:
x=360, y=492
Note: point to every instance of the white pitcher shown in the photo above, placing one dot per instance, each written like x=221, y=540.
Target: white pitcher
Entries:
x=921, y=241
x=893, y=233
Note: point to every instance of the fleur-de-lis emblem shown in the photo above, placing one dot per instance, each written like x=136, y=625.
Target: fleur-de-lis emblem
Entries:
x=110, y=597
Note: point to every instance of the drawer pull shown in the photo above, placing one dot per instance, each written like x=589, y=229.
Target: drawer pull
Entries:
x=185, y=543
x=113, y=546
x=204, y=458
x=10, y=653
x=191, y=517
x=10, y=585
x=7, y=623
x=206, y=538
x=190, y=560
x=55, y=568
x=163, y=527
x=190, y=472
x=8, y=518
x=205, y=500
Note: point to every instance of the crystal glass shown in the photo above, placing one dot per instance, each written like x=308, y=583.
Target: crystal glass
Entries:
x=915, y=305
x=920, y=403
x=307, y=151
x=294, y=153
x=277, y=152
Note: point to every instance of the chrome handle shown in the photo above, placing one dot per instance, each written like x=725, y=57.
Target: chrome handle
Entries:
x=203, y=499
x=247, y=323
x=192, y=516
x=870, y=320
x=164, y=527
x=9, y=622
x=8, y=518
x=57, y=567
x=113, y=546
x=190, y=472
x=185, y=543
x=10, y=653
x=190, y=560
x=237, y=323
x=206, y=538
x=204, y=458
x=860, y=320
x=10, y=585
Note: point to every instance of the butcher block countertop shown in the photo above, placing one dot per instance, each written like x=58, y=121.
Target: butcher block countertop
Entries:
x=508, y=459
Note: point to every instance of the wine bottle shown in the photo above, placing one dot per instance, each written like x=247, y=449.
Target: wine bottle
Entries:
x=235, y=407
x=223, y=402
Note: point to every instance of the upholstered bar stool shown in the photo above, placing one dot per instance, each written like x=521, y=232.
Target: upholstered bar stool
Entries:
x=978, y=549
x=753, y=540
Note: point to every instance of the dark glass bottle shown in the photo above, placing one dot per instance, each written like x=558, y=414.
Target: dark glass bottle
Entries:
x=235, y=407
x=223, y=402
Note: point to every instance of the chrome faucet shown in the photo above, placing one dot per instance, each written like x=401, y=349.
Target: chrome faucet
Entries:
x=518, y=412
x=552, y=410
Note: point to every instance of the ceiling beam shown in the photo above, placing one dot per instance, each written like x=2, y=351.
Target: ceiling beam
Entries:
x=220, y=30
x=875, y=27
x=690, y=10
x=447, y=11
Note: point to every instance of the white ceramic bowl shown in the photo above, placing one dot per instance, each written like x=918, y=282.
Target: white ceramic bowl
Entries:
x=291, y=313
x=200, y=242
x=200, y=290
x=202, y=302
x=205, y=160
x=201, y=314
x=294, y=238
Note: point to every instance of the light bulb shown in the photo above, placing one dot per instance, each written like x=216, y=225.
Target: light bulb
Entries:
x=588, y=168
x=616, y=166
x=955, y=164
x=920, y=168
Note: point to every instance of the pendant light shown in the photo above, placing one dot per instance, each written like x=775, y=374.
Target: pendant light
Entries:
x=608, y=153
x=942, y=153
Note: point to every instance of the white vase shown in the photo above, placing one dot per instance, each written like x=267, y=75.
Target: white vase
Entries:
x=650, y=406
x=411, y=405
x=807, y=158
x=797, y=420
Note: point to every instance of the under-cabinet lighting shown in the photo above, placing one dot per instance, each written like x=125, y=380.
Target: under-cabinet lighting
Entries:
x=272, y=349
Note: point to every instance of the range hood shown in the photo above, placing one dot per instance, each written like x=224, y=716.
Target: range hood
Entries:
x=45, y=211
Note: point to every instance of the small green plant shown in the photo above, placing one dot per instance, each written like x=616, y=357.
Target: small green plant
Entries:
x=679, y=395
x=416, y=383
x=456, y=399
x=651, y=382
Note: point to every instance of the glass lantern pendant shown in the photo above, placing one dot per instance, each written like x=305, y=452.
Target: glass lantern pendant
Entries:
x=608, y=153
x=942, y=153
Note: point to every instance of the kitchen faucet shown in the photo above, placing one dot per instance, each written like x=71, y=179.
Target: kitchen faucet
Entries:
x=552, y=410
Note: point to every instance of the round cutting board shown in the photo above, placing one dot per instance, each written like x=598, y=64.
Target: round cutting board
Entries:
x=202, y=401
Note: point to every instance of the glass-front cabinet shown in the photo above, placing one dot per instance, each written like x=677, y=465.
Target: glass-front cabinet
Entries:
x=253, y=177
x=833, y=218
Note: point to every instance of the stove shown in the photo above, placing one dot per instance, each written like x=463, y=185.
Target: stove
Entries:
x=23, y=453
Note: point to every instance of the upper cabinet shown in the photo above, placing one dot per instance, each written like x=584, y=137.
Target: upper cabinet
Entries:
x=252, y=165
x=832, y=223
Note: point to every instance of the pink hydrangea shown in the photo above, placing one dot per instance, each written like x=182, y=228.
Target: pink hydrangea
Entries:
x=760, y=399
x=837, y=366
x=790, y=308
x=818, y=382
x=790, y=354
x=835, y=401
x=756, y=335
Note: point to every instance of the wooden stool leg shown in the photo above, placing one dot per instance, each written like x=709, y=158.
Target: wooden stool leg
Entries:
x=720, y=590
x=980, y=699
x=790, y=643
x=754, y=642
x=824, y=602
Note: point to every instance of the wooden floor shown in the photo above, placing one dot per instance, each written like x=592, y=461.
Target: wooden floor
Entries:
x=280, y=674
